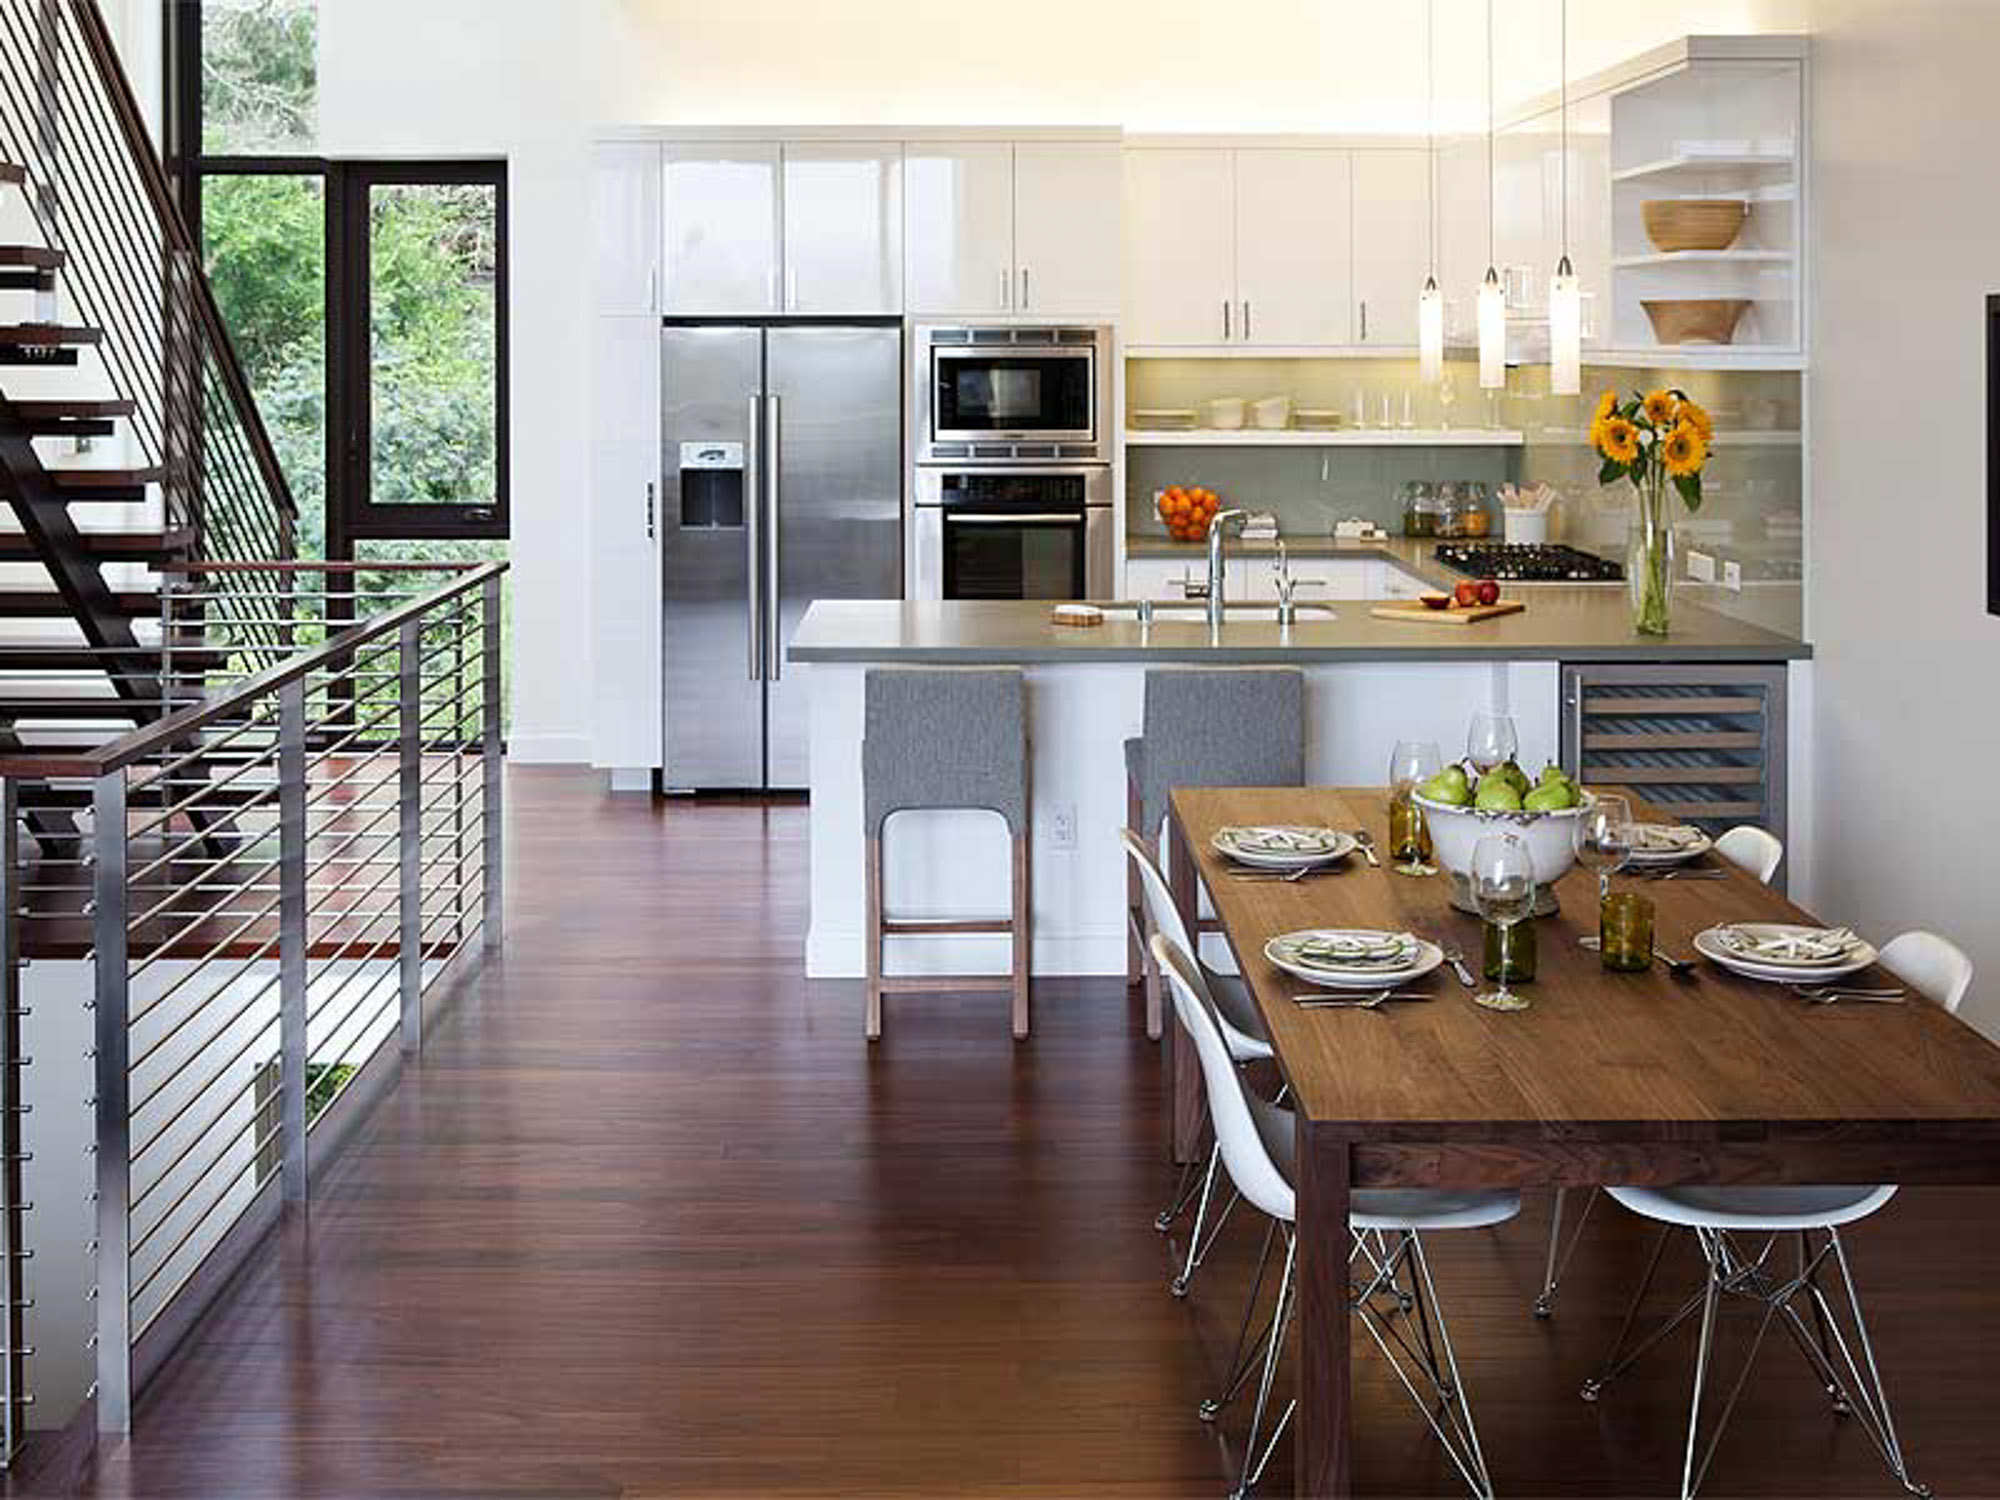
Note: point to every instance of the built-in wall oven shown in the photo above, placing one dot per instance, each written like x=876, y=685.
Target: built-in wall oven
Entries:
x=1020, y=532
x=1007, y=395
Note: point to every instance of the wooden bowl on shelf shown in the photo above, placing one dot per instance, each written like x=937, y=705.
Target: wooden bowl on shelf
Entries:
x=1695, y=320
x=1693, y=223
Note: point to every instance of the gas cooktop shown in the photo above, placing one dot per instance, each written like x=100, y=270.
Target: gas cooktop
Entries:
x=1528, y=562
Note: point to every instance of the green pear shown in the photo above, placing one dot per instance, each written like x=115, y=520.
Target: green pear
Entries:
x=1446, y=788
x=1497, y=794
x=1454, y=775
x=1553, y=796
x=1517, y=777
x=1552, y=773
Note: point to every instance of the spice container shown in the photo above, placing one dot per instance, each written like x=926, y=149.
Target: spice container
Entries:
x=1475, y=510
x=1419, y=505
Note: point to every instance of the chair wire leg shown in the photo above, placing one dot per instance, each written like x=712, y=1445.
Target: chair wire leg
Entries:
x=1875, y=1396
x=1711, y=1293
x=1253, y=1461
x=1613, y=1364
x=1189, y=1183
x=1558, y=1257
x=1244, y=1356
x=1809, y=1271
x=1179, y=1285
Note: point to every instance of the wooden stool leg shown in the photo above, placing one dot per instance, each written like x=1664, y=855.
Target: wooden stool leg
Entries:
x=1023, y=945
x=872, y=942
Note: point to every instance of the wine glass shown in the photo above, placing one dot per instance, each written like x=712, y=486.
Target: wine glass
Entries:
x=1603, y=833
x=1492, y=740
x=1502, y=880
x=1413, y=763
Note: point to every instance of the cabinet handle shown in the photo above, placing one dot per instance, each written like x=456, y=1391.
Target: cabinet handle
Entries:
x=1246, y=317
x=649, y=511
x=1006, y=290
x=1364, y=320
x=1225, y=320
x=1024, y=289
x=791, y=290
x=652, y=288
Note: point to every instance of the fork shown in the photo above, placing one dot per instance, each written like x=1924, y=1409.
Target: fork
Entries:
x=1683, y=968
x=1830, y=994
x=1319, y=1000
x=1366, y=841
x=1289, y=877
x=1681, y=873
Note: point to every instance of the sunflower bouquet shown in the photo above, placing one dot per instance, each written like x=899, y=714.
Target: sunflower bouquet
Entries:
x=1656, y=439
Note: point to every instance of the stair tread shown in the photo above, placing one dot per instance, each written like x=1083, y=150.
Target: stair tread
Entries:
x=144, y=542
x=37, y=603
x=39, y=257
x=13, y=172
x=59, y=707
x=106, y=479
x=47, y=335
x=57, y=410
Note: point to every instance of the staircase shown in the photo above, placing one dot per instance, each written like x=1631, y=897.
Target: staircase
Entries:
x=130, y=445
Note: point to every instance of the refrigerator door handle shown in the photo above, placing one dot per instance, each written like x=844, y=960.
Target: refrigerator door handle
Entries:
x=774, y=468
x=753, y=506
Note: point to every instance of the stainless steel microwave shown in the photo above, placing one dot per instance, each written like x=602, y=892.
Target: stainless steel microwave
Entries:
x=995, y=393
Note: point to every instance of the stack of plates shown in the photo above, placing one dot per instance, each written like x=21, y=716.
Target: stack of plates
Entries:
x=1667, y=844
x=1282, y=846
x=1783, y=952
x=1163, y=419
x=1349, y=958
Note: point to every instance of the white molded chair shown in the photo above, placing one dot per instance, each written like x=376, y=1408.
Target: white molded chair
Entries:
x=1752, y=849
x=1256, y=1140
x=1242, y=1031
x=1739, y=1229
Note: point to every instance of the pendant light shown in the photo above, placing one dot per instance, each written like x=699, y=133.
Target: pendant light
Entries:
x=1430, y=302
x=1492, y=298
x=1565, y=298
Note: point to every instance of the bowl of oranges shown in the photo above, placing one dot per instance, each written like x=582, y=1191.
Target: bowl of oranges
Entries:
x=1186, y=510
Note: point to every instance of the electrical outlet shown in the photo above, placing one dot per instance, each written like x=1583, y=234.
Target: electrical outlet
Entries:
x=1701, y=567
x=1732, y=576
x=1062, y=827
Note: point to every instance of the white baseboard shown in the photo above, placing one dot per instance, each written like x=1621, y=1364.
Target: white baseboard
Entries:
x=551, y=749
x=840, y=955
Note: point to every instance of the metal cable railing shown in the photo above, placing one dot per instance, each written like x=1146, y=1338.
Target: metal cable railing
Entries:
x=269, y=882
x=100, y=195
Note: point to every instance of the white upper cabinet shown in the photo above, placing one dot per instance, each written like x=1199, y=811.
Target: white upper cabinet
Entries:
x=1392, y=210
x=626, y=215
x=958, y=218
x=722, y=228
x=1066, y=242
x=843, y=228
x=1180, y=246
x=1294, y=231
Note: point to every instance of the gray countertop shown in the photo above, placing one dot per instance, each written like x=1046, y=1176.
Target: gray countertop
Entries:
x=1560, y=624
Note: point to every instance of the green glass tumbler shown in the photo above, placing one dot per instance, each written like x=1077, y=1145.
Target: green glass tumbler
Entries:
x=1510, y=953
x=1625, y=931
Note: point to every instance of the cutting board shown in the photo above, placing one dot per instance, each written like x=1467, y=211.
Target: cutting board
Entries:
x=1414, y=609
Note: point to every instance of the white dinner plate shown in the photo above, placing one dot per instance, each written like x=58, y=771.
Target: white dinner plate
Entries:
x=1320, y=846
x=1426, y=957
x=1694, y=849
x=1710, y=947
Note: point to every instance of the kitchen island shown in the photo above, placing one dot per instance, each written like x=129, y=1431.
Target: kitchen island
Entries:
x=1369, y=683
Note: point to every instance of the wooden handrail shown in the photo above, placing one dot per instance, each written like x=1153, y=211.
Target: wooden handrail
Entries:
x=149, y=739
x=103, y=55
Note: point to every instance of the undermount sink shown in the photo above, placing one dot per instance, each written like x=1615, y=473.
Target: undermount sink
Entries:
x=1249, y=612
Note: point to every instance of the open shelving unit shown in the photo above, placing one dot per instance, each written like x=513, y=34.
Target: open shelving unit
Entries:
x=1711, y=127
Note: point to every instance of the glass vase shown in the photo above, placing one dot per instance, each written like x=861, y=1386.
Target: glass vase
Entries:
x=1649, y=568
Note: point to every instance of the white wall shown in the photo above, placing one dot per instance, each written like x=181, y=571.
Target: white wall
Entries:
x=1906, y=245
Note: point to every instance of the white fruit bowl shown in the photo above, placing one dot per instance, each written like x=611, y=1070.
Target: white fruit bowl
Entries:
x=1550, y=837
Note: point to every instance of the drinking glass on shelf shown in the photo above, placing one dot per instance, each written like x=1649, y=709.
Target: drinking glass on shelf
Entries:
x=1502, y=880
x=1413, y=763
x=1447, y=395
x=1491, y=740
x=1603, y=836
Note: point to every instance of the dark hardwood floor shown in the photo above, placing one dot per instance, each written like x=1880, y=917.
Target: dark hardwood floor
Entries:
x=651, y=1219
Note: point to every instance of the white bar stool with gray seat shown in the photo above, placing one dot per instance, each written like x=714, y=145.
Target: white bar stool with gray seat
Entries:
x=1757, y=853
x=946, y=738
x=1257, y=1139
x=1242, y=1032
x=1738, y=1230
x=1205, y=726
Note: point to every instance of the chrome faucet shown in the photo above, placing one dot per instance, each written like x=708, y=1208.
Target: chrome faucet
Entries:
x=1218, y=531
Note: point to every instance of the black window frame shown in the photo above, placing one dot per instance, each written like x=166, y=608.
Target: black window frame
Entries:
x=352, y=514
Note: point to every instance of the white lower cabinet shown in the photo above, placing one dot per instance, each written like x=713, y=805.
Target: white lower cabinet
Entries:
x=1161, y=577
x=624, y=529
x=1254, y=579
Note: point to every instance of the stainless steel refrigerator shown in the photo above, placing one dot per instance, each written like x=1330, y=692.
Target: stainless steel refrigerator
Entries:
x=783, y=471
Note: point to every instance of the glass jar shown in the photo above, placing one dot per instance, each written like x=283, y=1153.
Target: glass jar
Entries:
x=1475, y=510
x=1450, y=513
x=1419, y=512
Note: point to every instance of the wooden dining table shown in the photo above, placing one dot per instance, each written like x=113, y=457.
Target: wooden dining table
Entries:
x=1637, y=1079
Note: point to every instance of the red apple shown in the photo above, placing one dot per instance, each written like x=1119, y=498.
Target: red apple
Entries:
x=1489, y=591
x=1466, y=594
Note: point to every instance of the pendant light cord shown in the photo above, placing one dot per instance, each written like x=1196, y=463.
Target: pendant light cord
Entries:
x=1430, y=125
x=1492, y=200
x=1564, y=64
